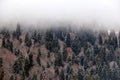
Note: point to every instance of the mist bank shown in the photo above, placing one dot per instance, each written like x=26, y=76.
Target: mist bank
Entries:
x=46, y=25
x=93, y=14
x=55, y=23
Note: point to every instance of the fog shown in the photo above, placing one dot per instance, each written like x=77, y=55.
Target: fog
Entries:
x=100, y=13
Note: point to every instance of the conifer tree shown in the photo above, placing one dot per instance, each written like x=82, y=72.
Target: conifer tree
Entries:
x=18, y=31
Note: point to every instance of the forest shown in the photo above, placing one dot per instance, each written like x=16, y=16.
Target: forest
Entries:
x=60, y=53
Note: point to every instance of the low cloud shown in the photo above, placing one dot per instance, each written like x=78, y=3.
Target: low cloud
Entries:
x=101, y=13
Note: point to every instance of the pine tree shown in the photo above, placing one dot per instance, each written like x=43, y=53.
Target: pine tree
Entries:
x=56, y=70
x=39, y=37
x=1, y=69
x=38, y=57
x=68, y=40
x=27, y=40
x=34, y=36
x=64, y=54
x=30, y=59
x=48, y=65
x=1, y=62
x=27, y=67
x=3, y=42
x=100, y=39
x=17, y=67
x=18, y=31
x=62, y=75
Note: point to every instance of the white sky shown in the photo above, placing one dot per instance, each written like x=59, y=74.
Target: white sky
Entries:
x=103, y=12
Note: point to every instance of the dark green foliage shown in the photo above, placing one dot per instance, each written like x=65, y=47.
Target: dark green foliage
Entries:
x=48, y=65
x=68, y=40
x=3, y=42
x=5, y=33
x=1, y=62
x=113, y=42
x=26, y=37
x=96, y=49
x=23, y=76
x=80, y=75
x=17, y=67
x=16, y=34
x=1, y=70
x=69, y=70
x=28, y=64
x=27, y=40
x=39, y=37
x=65, y=55
x=62, y=75
x=17, y=52
x=75, y=45
x=58, y=60
x=43, y=68
x=39, y=52
x=38, y=60
x=7, y=44
x=34, y=36
x=55, y=45
x=38, y=57
x=30, y=59
x=13, y=77
x=52, y=46
x=82, y=60
x=49, y=35
x=49, y=46
x=61, y=33
x=34, y=77
x=41, y=77
x=100, y=40
x=75, y=60
x=51, y=43
x=18, y=31
x=92, y=54
x=27, y=67
x=48, y=55
x=86, y=36
x=20, y=40
x=56, y=70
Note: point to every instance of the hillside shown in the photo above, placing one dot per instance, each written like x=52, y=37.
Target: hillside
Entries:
x=59, y=54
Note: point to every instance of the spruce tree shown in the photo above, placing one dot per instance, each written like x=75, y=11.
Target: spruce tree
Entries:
x=18, y=31
x=27, y=40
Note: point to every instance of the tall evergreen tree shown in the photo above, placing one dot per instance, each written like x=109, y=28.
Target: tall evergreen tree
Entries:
x=18, y=31
x=27, y=40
